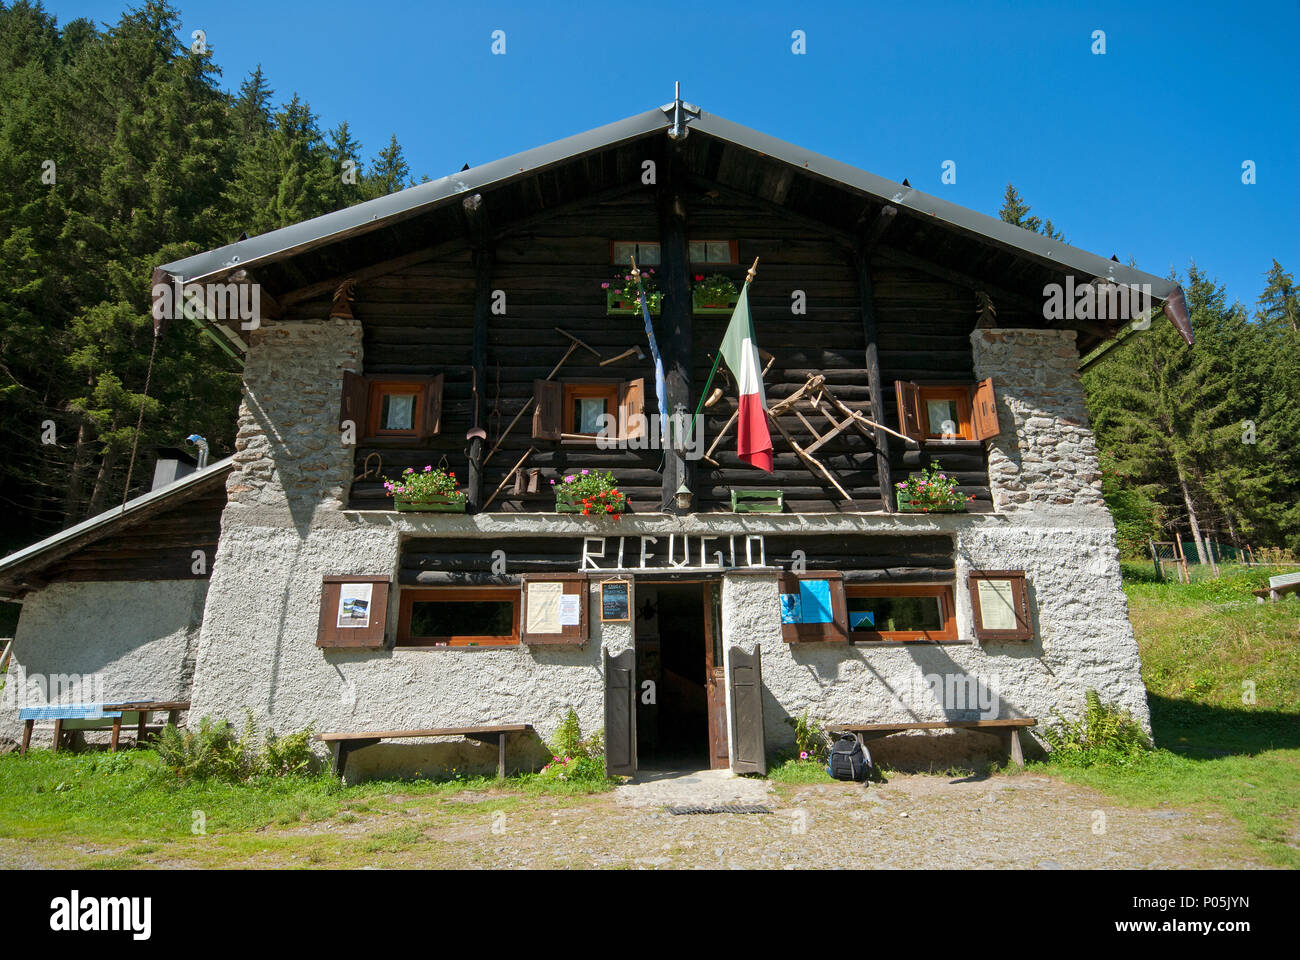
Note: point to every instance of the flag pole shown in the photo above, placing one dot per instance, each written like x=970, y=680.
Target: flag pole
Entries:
x=749, y=278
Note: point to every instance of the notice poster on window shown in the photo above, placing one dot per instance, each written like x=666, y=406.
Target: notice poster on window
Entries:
x=815, y=601
x=570, y=609
x=862, y=619
x=997, y=605
x=542, y=608
x=354, y=604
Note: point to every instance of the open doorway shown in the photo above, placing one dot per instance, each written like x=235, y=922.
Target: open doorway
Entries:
x=679, y=649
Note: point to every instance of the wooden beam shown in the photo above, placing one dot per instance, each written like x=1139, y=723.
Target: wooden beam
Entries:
x=882, y=222
x=739, y=196
x=862, y=267
x=905, y=259
x=361, y=274
x=676, y=312
x=476, y=220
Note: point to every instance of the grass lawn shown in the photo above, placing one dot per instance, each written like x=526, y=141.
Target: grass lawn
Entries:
x=1207, y=647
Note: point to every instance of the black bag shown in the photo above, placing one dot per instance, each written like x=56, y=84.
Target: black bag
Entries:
x=849, y=759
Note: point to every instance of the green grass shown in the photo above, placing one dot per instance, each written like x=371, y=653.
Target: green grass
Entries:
x=129, y=797
x=1204, y=646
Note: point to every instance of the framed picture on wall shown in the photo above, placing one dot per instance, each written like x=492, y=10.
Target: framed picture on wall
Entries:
x=999, y=602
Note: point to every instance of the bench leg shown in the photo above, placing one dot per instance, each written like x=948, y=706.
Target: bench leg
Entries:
x=27, y=736
x=117, y=732
x=58, y=735
x=139, y=728
x=501, y=755
x=1013, y=747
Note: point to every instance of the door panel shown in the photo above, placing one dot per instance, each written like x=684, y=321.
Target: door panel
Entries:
x=620, y=714
x=715, y=678
x=750, y=755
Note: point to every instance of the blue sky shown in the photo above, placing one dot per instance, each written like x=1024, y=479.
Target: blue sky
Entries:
x=1137, y=152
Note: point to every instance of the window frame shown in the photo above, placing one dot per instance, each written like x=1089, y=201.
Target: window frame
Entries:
x=608, y=390
x=962, y=396
x=947, y=611
x=412, y=595
x=375, y=408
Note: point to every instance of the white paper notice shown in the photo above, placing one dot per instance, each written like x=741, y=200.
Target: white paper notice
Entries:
x=570, y=610
x=544, y=607
x=354, y=604
x=997, y=609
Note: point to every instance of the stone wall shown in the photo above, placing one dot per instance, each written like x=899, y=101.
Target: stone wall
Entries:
x=132, y=639
x=1046, y=453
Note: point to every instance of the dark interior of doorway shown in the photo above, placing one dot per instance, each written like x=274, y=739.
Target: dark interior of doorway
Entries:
x=673, y=732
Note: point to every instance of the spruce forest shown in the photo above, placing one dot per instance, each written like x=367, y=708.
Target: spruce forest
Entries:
x=121, y=149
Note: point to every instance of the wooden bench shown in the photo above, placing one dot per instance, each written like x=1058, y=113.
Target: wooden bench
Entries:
x=341, y=744
x=69, y=717
x=1278, y=587
x=1007, y=729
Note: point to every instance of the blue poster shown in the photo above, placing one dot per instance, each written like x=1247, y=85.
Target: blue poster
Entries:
x=815, y=598
x=790, y=608
x=861, y=618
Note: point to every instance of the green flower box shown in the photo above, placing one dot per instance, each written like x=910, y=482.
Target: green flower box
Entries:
x=757, y=501
x=565, y=503
x=430, y=505
x=615, y=303
x=905, y=507
x=713, y=309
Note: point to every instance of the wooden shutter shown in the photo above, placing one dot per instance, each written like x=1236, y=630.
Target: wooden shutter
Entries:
x=548, y=409
x=984, y=411
x=908, y=395
x=431, y=422
x=837, y=630
x=330, y=634
x=570, y=584
x=620, y=714
x=631, y=409
x=356, y=393
x=746, y=679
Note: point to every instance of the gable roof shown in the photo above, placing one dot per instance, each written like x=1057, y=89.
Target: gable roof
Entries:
x=21, y=568
x=974, y=248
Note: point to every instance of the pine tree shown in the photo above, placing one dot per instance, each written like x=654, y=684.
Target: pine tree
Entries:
x=1016, y=211
x=389, y=171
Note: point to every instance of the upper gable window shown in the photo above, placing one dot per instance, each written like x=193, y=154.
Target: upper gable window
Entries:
x=702, y=253
x=393, y=407
x=947, y=412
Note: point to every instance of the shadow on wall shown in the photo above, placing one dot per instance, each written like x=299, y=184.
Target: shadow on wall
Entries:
x=444, y=759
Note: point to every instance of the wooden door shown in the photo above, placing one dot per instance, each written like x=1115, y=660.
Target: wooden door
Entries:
x=750, y=755
x=620, y=714
x=715, y=677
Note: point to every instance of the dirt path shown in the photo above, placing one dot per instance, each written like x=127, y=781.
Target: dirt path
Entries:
x=912, y=821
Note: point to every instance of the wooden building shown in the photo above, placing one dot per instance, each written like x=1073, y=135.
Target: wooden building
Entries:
x=472, y=323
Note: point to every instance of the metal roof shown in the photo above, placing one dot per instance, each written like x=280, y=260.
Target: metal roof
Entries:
x=374, y=214
x=86, y=531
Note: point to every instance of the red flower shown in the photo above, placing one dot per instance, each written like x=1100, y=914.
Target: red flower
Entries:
x=699, y=277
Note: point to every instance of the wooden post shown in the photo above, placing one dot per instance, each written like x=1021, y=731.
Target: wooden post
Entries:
x=27, y=736
x=139, y=727
x=476, y=218
x=501, y=755
x=862, y=264
x=117, y=732
x=676, y=313
x=58, y=734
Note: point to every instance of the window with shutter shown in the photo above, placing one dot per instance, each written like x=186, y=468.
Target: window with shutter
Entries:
x=901, y=612
x=985, y=413
x=458, y=617
x=548, y=409
x=908, y=396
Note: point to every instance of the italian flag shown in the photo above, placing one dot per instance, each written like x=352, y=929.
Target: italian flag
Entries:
x=753, y=441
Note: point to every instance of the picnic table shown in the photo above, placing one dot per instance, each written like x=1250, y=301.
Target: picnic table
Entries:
x=69, y=717
x=1278, y=586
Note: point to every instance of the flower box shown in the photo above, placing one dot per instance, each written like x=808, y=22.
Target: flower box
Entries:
x=905, y=506
x=757, y=501
x=431, y=504
x=566, y=503
x=701, y=305
x=615, y=303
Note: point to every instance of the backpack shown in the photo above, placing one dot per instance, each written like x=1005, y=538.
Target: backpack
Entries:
x=849, y=759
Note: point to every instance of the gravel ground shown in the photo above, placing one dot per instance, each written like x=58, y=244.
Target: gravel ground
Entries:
x=921, y=820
